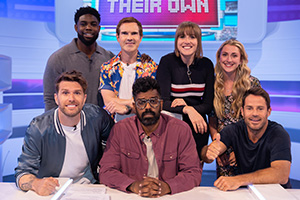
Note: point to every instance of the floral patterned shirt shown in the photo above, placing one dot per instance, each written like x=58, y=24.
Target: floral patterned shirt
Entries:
x=111, y=72
x=223, y=168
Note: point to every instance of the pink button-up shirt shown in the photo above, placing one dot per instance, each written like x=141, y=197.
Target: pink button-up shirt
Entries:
x=125, y=157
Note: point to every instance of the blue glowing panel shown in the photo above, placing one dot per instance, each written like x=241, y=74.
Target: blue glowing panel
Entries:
x=25, y=94
x=285, y=95
x=36, y=10
x=283, y=10
x=26, y=86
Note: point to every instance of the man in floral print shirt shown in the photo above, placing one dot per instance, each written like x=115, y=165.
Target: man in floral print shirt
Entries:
x=118, y=74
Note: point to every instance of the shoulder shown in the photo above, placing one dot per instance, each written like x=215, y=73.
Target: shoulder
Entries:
x=107, y=53
x=276, y=129
x=125, y=128
x=204, y=61
x=111, y=62
x=170, y=57
x=91, y=111
x=147, y=64
x=277, y=138
x=128, y=121
x=42, y=122
x=234, y=128
x=169, y=61
x=65, y=50
x=254, y=81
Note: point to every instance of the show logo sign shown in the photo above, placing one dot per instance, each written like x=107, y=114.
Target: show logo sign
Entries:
x=160, y=13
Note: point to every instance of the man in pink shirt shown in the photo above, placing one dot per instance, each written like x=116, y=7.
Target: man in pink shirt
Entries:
x=150, y=154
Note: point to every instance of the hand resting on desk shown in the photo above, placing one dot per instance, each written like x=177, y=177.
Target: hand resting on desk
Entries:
x=150, y=187
x=43, y=187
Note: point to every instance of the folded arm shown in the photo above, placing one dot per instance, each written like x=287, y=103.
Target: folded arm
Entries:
x=114, y=104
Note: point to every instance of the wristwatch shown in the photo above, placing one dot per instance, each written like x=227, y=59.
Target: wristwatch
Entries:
x=129, y=109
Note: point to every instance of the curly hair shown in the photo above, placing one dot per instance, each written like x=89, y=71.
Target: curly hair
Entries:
x=86, y=10
x=144, y=84
x=241, y=82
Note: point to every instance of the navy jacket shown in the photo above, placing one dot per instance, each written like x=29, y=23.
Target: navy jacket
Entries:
x=44, y=145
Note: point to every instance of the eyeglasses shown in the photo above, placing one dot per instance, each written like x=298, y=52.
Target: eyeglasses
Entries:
x=141, y=103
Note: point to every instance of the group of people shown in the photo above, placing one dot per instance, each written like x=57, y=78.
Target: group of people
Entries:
x=149, y=152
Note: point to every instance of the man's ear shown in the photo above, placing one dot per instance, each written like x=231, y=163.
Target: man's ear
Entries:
x=85, y=95
x=242, y=112
x=76, y=27
x=55, y=98
x=269, y=111
x=117, y=36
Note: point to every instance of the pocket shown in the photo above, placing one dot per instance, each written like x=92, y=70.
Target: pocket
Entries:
x=130, y=161
x=169, y=168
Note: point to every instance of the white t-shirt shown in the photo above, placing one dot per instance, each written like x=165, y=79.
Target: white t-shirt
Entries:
x=125, y=91
x=76, y=159
x=152, y=164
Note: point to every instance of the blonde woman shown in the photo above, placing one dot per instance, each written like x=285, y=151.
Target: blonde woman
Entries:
x=186, y=79
x=232, y=80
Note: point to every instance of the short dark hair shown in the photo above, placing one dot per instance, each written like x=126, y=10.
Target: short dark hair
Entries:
x=73, y=76
x=129, y=20
x=86, y=10
x=257, y=91
x=144, y=84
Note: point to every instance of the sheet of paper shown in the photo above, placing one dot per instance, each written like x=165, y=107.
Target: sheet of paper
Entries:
x=273, y=192
x=86, y=192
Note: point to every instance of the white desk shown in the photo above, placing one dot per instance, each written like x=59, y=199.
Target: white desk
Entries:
x=8, y=191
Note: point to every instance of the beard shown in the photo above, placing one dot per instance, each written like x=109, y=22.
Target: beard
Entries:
x=256, y=130
x=148, y=121
x=69, y=113
x=87, y=42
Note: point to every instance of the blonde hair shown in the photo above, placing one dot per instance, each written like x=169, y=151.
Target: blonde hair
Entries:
x=240, y=85
x=189, y=28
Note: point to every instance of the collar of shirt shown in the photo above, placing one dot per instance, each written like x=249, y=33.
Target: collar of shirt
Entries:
x=75, y=49
x=117, y=60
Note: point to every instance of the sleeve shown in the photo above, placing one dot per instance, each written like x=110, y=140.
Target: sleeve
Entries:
x=227, y=134
x=207, y=102
x=280, y=145
x=153, y=69
x=148, y=68
x=110, y=164
x=53, y=69
x=190, y=171
x=104, y=77
x=29, y=160
x=164, y=79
